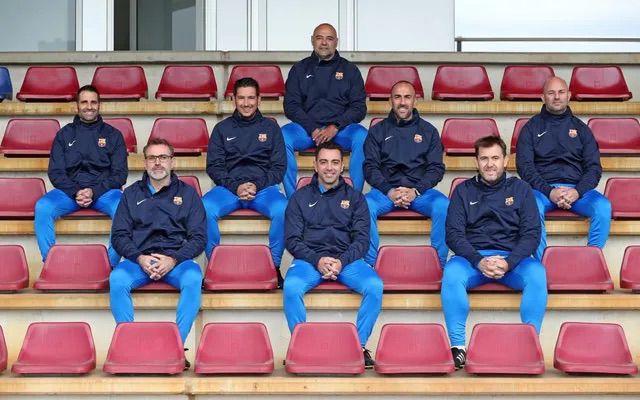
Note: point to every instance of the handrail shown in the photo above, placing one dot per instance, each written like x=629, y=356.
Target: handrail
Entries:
x=460, y=39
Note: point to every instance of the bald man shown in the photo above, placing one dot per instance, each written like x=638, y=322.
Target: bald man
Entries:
x=559, y=157
x=325, y=101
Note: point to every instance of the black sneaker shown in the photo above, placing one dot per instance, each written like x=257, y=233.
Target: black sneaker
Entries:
x=280, y=278
x=459, y=357
x=187, y=364
x=368, y=360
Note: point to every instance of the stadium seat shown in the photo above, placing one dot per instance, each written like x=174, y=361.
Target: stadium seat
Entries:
x=6, y=89
x=240, y=267
x=56, y=348
x=234, y=348
x=180, y=82
x=86, y=213
x=413, y=349
x=157, y=286
x=18, y=197
x=624, y=195
x=192, y=181
x=381, y=78
x=14, y=274
x=524, y=82
x=616, y=136
x=375, y=121
x=145, y=348
x=3, y=351
x=576, y=268
x=324, y=348
x=125, y=127
x=75, y=267
x=455, y=182
x=330, y=286
x=593, y=83
x=593, y=348
x=49, y=84
x=409, y=268
x=461, y=82
x=269, y=78
x=512, y=349
x=460, y=134
x=630, y=269
x=125, y=82
x=517, y=127
x=189, y=136
x=29, y=137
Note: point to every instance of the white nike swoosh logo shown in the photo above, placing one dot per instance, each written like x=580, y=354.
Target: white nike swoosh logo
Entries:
x=231, y=138
x=541, y=134
x=309, y=76
x=71, y=143
x=140, y=202
x=471, y=203
x=388, y=137
x=313, y=204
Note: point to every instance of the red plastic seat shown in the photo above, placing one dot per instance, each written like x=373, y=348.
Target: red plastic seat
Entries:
x=630, y=269
x=234, y=348
x=3, y=352
x=14, y=274
x=29, y=137
x=593, y=348
x=455, y=182
x=125, y=82
x=49, y=84
x=75, y=267
x=145, y=348
x=18, y=197
x=460, y=134
x=461, y=82
x=192, y=181
x=576, y=268
x=593, y=83
x=269, y=78
x=624, y=195
x=559, y=213
x=244, y=213
x=413, y=349
x=381, y=78
x=409, y=268
x=524, y=82
x=616, y=135
x=86, y=213
x=517, y=127
x=330, y=286
x=188, y=136
x=240, y=267
x=56, y=348
x=125, y=127
x=157, y=286
x=325, y=348
x=187, y=82
x=504, y=349
x=375, y=121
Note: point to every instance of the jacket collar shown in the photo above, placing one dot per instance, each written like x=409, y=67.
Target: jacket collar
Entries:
x=239, y=120
x=400, y=122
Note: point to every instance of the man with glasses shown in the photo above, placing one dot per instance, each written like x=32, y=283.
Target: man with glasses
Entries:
x=159, y=228
x=87, y=168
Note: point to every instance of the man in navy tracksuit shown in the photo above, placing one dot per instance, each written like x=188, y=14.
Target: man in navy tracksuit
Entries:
x=325, y=100
x=327, y=232
x=159, y=228
x=493, y=228
x=559, y=157
x=246, y=160
x=87, y=167
x=403, y=162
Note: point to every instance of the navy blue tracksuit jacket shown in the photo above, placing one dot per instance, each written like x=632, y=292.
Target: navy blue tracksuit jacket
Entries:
x=319, y=93
x=246, y=150
x=171, y=221
x=558, y=149
x=403, y=153
x=330, y=224
x=499, y=217
x=88, y=156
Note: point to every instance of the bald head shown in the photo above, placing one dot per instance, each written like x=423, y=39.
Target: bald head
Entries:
x=555, y=95
x=324, y=41
x=403, y=99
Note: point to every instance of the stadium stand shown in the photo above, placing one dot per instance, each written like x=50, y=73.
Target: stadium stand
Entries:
x=576, y=268
x=381, y=78
x=524, y=82
x=189, y=136
x=54, y=83
x=461, y=82
x=29, y=137
x=126, y=82
x=240, y=267
x=75, y=267
x=269, y=78
x=180, y=82
x=6, y=89
x=590, y=83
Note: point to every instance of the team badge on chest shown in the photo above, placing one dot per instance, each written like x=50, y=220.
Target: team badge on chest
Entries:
x=177, y=200
x=508, y=201
x=339, y=75
x=262, y=137
x=573, y=133
x=345, y=204
x=417, y=138
x=102, y=142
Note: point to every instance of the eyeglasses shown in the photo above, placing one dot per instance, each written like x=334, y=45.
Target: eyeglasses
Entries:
x=161, y=157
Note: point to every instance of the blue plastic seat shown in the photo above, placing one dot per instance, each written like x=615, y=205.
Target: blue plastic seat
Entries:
x=6, y=90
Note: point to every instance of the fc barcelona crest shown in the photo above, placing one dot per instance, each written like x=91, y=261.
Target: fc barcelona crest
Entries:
x=177, y=200
x=573, y=133
x=417, y=138
x=508, y=201
x=339, y=75
x=262, y=137
x=102, y=142
x=345, y=204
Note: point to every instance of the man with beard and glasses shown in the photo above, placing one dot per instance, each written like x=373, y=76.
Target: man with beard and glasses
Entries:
x=559, y=157
x=403, y=164
x=493, y=228
x=160, y=226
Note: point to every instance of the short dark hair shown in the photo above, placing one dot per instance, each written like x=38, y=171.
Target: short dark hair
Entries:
x=88, y=88
x=155, y=142
x=329, y=146
x=490, y=141
x=246, y=82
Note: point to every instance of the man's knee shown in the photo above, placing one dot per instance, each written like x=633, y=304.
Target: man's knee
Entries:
x=602, y=207
x=44, y=207
x=440, y=205
x=293, y=288
x=374, y=287
x=191, y=278
x=118, y=281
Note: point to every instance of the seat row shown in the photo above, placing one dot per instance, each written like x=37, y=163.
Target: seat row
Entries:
x=85, y=267
x=189, y=136
x=451, y=82
x=319, y=348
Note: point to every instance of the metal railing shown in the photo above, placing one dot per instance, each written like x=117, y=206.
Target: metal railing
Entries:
x=460, y=39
